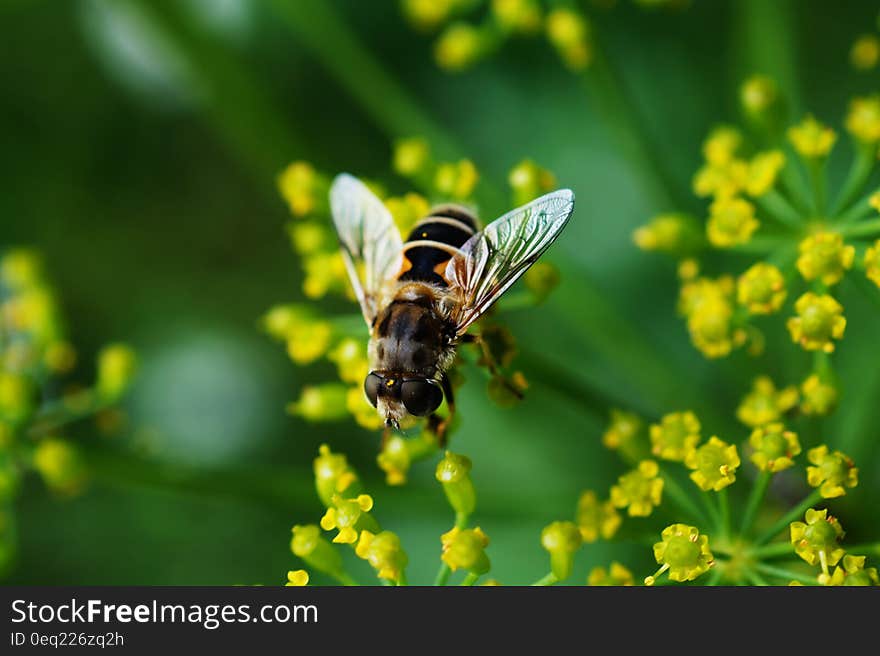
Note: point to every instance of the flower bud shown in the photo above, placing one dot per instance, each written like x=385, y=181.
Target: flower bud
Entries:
x=811, y=139
x=465, y=549
x=333, y=476
x=714, y=464
x=60, y=465
x=457, y=180
x=384, y=552
x=326, y=402
x=824, y=256
x=832, y=472
x=816, y=541
x=459, y=47
x=308, y=543
x=349, y=517
x=682, y=551
x=297, y=578
x=561, y=540
x=117, y=366
x=774, y=447
x=818, y=323
x=453, y=472
x=639, y=490
x=863, y=119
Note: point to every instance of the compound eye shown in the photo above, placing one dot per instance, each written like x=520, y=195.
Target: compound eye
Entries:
x=421, y=397
x=371, y=387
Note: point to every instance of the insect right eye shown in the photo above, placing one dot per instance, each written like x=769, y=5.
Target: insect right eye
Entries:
x=371, y=387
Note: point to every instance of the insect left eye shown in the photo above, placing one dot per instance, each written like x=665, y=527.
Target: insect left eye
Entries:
x=420, y=397
x=371, y=388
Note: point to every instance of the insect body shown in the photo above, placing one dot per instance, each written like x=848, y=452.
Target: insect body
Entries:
x=419, y=298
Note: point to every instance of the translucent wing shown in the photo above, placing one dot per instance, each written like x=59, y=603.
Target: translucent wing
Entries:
x=370, y=242
x=492, y=260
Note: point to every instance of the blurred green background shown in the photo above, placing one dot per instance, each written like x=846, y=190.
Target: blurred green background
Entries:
x=141, y=142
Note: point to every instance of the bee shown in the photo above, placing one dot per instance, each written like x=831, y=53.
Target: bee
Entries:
x=419, y=297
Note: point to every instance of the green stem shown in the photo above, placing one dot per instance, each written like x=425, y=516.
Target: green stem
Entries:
x=858, y=176
x=682, y=499
x=618, y=112
x=784, y=573
x=756, y=496
x=778, y=207
x=773, y=550
x=753, y=577
x=402, y=579
x=724, y=508
x=761, y=244
x=547, y=579
x=860, y=210
x=712, y=509
x=861, y=229
x=470, y=579
x=795, y=513
x=442, y=575
x=865, y=549
x=716, y=575
x=817, y=182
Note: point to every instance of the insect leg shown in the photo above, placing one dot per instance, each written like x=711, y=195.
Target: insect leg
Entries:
x=438, y=425
x=491, y=364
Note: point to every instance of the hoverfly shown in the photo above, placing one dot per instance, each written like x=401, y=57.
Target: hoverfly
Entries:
x=420, y=296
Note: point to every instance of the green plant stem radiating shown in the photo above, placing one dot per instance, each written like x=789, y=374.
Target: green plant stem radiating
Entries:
x=470, y=579
x=857, y=178
x=756, y=496
x=618, y=112
x=753, y=577
x=239, y=109
x=795, y=514
x=776, y=206
x=716, y=574
x=724, y=511
x=547, y=579
x=785, y=573
x=861, y=229
x=773, y=550
x=675, y=493
x=860, y=210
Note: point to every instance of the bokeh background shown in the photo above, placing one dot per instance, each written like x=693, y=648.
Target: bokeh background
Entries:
x=140, y=147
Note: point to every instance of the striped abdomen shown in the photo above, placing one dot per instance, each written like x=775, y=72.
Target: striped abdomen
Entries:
x=433, y=241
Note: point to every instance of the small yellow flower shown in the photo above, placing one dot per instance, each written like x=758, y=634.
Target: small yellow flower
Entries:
x=721, y=145
x=457, y=180
x=820, y=320
x=863, y=119
x=596, y=518
x=638, y=490
x=333, y=475
x=703, y=292
x=872, y=263
x=349, y=517
x=384, y=552
x=764, y=168
x=410, y=156
x=407, y=210
x=21, y=268
x=683, y=552
x=721, y=180
x=758, y=94
x=117, y=366
x=761, y=289
x=297, y=578
x=615, y=575
x=774, y=447
x=731, y=222
x=668, y=233
x=528, y=181
x=764, y=403
x=309, y=340
x=816, y=541
x=60, y=465
x=874, y=200
x=301, y=187
x=865, y=52
x=465, y=549
x=622, y=431
x=16, y=397
x=811, y=139
x=714, y=464
x=453, y=472
x=308, y=543
x=675, y=436
x=360, y=409
x=325, y=402
x=832, y=472
x=459, y=46
x=688, y=269
x=817, y=397
x=711, y=329
x=518, y=15
x=325, y=272
x=350, y=358
x=570, y=33
x=309, y=237
x=853, y=572
x=561, y=540
x=427, y=14
x=825, y=257
x=60, y=357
